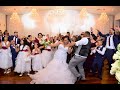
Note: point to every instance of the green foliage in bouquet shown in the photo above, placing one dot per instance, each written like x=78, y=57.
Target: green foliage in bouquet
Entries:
x=45, y=42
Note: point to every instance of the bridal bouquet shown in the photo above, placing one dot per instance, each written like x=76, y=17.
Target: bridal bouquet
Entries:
x=45, y=42
x=115, y=70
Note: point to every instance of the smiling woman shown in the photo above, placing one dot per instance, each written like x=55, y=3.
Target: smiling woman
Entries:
x=28, y=22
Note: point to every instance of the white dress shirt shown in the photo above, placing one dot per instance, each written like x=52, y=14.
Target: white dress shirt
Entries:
x=99, y=51
x=111, y=42
x=83, y=41
x=15, y=40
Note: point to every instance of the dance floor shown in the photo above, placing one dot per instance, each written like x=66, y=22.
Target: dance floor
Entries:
x=14, y=78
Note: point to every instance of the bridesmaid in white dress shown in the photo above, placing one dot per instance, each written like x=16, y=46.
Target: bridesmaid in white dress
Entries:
x=47, y=54
x=23, y=60
x=36, y=58
x=6, y=57
x=57, y=71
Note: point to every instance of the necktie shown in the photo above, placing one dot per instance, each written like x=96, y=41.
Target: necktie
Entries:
x=15, y=40
x=109, y=40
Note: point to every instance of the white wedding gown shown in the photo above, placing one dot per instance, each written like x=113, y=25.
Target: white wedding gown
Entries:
x=56, y=72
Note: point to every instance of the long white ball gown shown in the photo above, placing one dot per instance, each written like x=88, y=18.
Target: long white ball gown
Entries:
x=6, y=57
x=23, y=62
x=57, y=71
x=36, y=61
x=47, y=56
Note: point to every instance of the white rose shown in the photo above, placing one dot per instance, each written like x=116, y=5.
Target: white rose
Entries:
x=115, y=56
x=117, y=75
x=118, y=52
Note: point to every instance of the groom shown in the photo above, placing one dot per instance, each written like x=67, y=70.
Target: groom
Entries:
x=80, y=56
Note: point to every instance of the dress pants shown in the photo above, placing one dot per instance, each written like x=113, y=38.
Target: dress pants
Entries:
x=77, y=61
x=99, y=62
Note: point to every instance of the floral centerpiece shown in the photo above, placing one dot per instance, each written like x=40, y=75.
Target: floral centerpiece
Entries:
x=115, y=70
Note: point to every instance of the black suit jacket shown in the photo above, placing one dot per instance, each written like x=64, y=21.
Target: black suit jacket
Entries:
x=11, y=38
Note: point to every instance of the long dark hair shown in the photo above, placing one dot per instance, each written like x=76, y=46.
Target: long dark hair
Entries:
x=24, y=43
x=66, y=37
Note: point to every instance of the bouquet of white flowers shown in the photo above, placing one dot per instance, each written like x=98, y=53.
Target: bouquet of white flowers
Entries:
x=115, y=70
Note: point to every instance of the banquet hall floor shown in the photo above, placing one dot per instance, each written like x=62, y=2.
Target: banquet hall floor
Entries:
x=14, y=78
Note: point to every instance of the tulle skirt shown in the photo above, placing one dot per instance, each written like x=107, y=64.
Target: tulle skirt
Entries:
x=5, y=59
x=47, y=56
x=56, y=72
x=23, y=63
x=36, y=62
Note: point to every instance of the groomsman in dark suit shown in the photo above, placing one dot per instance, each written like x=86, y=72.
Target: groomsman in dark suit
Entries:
x=15, y=38
x=111, y=41
x=14, y=52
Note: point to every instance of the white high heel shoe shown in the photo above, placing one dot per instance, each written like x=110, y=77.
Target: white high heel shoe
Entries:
x=21, y=75
x=5, y=72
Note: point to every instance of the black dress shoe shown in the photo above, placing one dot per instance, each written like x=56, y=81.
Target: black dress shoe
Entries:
x=78, y=78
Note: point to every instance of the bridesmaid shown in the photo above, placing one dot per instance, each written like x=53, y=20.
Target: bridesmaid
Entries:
x=6, y=57
x=38, y=40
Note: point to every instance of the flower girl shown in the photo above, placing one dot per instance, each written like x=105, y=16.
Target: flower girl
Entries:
x=6, y=57
x=23, y=60
x=36, y=58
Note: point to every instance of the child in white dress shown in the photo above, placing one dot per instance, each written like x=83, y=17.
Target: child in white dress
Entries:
x=6, y=57
x=36, y=58
x=23, y=60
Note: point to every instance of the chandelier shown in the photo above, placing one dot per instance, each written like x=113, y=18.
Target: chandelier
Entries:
x=15, y=17
x=34, y=13
x=15, y=21
x=83, y=15
x=103, y=19
x=58, y=11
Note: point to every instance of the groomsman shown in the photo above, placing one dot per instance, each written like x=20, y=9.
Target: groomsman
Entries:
x=99, y=52
x=111, y=41
x=14, y=52
x=80, y=56
x=15, y=38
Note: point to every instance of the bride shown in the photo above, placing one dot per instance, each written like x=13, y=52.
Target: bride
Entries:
x=57, y=71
